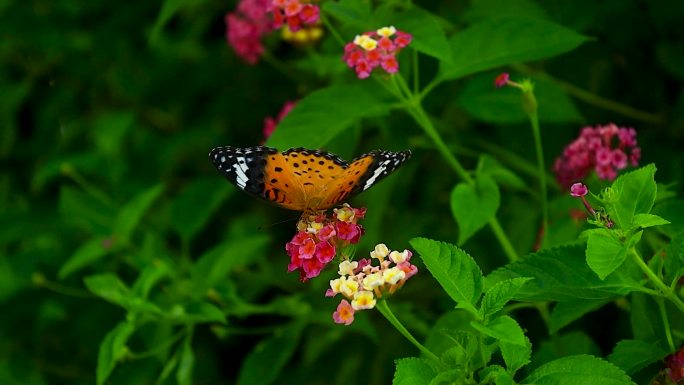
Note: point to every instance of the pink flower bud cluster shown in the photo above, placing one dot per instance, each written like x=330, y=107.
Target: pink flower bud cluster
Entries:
x=674, y=364
x=375, y=48
x=604, y=149
x=270, y=123
x=294, y=14
x=502, y=80
x=362, y=283
x=319, y=237
x=246, y=26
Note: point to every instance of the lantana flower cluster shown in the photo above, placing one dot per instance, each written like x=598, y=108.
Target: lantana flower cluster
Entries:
x=294, y=13
x=246, y=26
x=320, y=236
x=253, y=19
x=375, y=48
x=605, y=149
x=362, y=283
x=674, y=364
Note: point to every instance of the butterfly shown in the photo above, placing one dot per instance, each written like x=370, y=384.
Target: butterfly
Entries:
x=301, y=179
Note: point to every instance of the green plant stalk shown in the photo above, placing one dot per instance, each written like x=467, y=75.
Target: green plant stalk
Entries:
x=332, y=29
x=664, y=289
x=41, y=281
x=384, y=309
x=416, y=72
x=415, y=109
x=85, y=185
x=666, y=323
x=541, y=172
x=592, y=98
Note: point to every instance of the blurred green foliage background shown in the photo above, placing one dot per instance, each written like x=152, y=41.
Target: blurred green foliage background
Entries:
x=108, y=111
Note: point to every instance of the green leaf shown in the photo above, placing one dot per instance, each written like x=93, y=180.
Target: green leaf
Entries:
x=11, y=281
x=196, y=312
x=354, y=13
x=474, y=205
x=604, y=252
x=562, y=345
x=413, y=371
x=449, y=331
x=635, y=193
x=186, y=362
x=575, y=370
x=454, y=269
x=110, y=129
x=487, y=9
x=516, y=356
x=495, y=373
x=149, y=277
x=213, y=266
x=649, y=220
x=112, y=349
x=449, y=376
x=644, y=319
x=672, y=211
x=487, y=165
x=428, y=34
x=489, y=104
x=85, y=210
x=500, y=41
x=132, y=212
x=323, y=114
x=109, y=287
x=561, y=274
x=193, y=207
x=498, y=295
x=566, y=312
x=85, y=255
x=503, y=328
x=264, y=363
x=634, y=355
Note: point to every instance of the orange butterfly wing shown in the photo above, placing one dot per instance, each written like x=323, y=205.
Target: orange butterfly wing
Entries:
x=301, y=179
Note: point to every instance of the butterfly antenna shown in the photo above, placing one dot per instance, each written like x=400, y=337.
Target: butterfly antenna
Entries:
x=261, y=228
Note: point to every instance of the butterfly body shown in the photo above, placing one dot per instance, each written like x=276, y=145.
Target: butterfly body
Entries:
x=302, y=179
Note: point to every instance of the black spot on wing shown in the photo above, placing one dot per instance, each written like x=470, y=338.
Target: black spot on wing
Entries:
x=317, y=154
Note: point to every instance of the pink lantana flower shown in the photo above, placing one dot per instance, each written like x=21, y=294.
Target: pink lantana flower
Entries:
x=344, y=313
x=320, y=237
x=600, y=217
x=603, y=149
x=375, y=49
x=363, y=283
x=246, y=26
x=294, y=13
x=501, y=80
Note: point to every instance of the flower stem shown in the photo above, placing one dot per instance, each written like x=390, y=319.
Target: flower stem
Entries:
x=541, y=172
x=384, y=309
x=69, y=170
x=415, y=109
x=664, y=289
x=666, y=323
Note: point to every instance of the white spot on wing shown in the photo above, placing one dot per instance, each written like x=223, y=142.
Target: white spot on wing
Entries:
x=376, y=173
x=240, y=170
